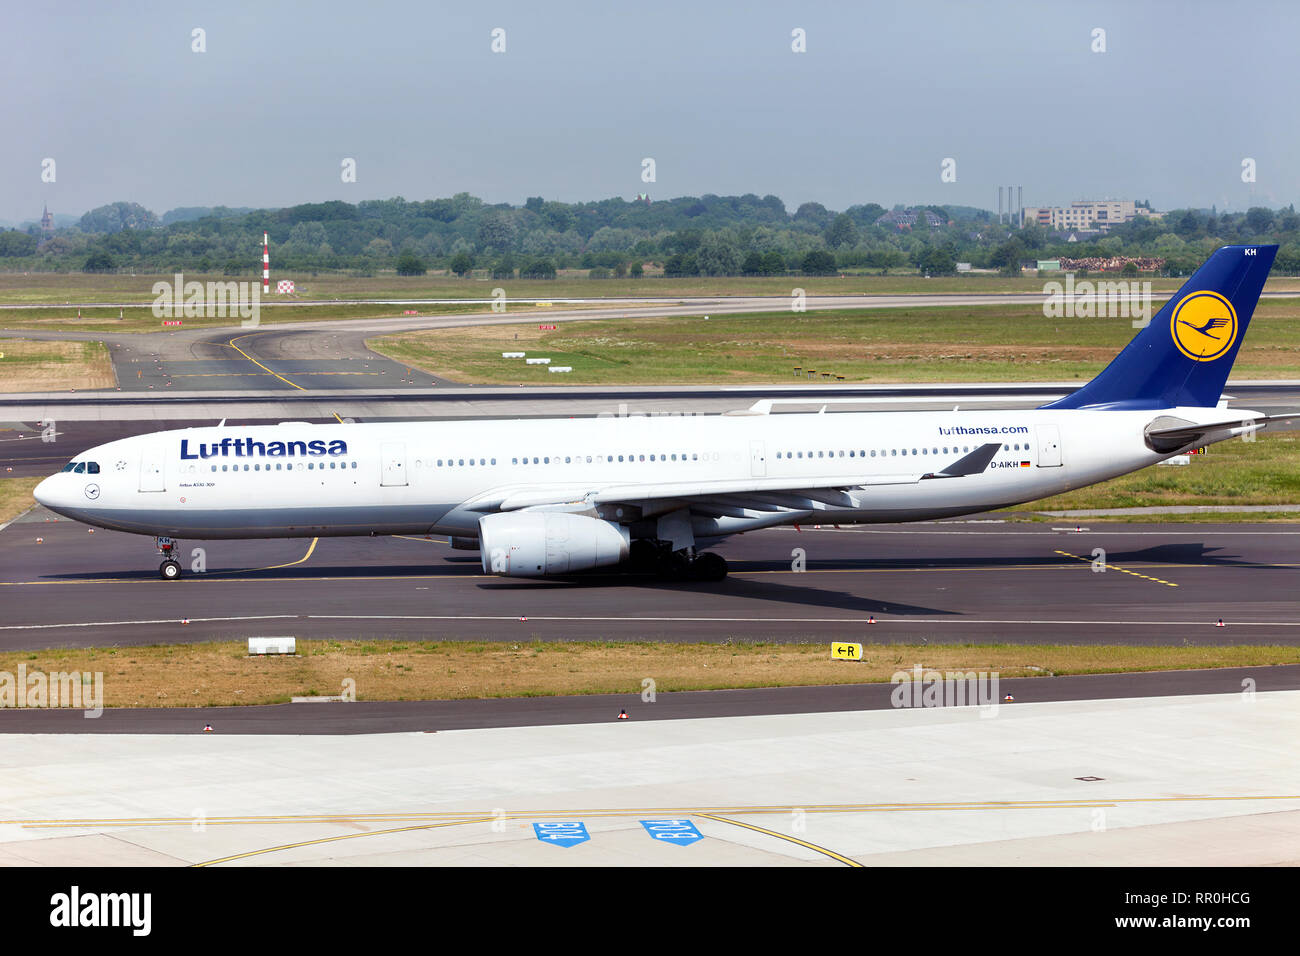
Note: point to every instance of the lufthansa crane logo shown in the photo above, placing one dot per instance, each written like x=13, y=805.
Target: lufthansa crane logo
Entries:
x=1204, y=326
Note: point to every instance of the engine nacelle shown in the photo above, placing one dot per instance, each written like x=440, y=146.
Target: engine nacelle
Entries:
x=531, y=544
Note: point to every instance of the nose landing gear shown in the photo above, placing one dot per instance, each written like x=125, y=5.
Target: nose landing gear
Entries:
x=170, y=569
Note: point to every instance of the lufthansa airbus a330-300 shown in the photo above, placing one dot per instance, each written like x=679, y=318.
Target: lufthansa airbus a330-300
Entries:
x=558, y=496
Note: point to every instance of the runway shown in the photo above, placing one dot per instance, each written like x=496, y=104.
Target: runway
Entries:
x=331, y=354
x=984, y=579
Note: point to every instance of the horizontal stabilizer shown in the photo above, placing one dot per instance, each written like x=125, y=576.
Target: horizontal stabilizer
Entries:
x=1167, y=434
x=973, y=464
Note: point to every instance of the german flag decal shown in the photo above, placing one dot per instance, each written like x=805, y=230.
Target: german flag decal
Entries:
x=1024, y=464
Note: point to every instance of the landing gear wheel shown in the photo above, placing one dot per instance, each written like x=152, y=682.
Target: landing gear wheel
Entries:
x=170, y=570
x=709, y=567
x=675, y=566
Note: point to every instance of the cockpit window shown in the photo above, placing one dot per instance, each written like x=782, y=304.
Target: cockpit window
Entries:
x=92, y=467
x=69, y=466
x=80, y=469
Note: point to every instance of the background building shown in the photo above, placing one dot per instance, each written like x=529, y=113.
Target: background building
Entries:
x=1087, y=214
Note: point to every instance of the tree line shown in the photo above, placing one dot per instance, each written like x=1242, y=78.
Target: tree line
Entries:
x=687, y=236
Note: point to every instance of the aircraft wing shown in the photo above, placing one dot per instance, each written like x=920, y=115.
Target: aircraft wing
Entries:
x=725, y=497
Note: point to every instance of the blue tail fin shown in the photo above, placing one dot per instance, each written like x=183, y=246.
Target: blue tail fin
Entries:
x=1184, y=356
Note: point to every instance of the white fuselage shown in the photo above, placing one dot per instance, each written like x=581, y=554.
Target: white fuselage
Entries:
x=301, y=480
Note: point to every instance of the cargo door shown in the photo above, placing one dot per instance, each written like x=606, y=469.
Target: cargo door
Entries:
x=393, y=455
x=1049, y=446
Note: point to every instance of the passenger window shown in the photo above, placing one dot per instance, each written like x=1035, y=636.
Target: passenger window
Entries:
x=494, y=461
x=214, y=467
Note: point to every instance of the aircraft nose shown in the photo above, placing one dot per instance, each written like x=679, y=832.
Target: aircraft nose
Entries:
x=43, y=492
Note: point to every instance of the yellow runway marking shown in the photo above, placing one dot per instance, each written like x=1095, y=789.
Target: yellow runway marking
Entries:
x=1115, y=567
x=471, y=816
x=232, y=344
x=336, y=839
x=781, y=836
x=273, y=567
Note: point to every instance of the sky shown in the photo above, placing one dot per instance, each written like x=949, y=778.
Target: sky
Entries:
x=413, y=93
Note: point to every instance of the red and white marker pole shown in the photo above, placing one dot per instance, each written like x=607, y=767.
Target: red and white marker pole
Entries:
x=266, y=266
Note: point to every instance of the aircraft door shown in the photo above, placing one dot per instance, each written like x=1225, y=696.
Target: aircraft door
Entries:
x=758, y=459
x=393, y=461
x=1049, y=446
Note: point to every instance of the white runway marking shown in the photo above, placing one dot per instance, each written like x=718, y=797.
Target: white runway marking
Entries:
x=168, y=620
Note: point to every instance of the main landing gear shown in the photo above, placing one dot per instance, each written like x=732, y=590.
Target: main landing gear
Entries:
x=170, y=569
x=649, y=557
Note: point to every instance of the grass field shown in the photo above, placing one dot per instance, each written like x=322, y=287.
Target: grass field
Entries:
x=937, y=344
x=221, y=673
x=15, y=495
x=27, y=366
x=48, y=287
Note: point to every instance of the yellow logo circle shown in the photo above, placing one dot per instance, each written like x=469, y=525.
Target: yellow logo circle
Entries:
x=1204, y=326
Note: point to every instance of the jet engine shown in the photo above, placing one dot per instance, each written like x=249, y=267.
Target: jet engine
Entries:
x=530, y=544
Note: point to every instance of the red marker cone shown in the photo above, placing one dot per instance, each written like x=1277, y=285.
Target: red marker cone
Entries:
x=1008, y=699
x=622, y=715
x=207, y=728
x=871, y=619
x=185, y=620
x=1220, y=624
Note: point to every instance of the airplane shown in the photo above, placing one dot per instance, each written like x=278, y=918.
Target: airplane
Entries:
x=553, y=497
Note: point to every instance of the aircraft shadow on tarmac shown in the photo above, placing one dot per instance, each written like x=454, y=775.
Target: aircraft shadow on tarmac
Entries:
x=766, y=589
x=1184, y=553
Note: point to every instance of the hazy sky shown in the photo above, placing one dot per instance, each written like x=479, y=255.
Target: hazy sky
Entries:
x=585, y=90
